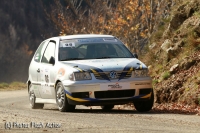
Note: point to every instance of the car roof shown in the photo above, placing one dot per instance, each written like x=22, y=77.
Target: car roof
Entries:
x=80, y=36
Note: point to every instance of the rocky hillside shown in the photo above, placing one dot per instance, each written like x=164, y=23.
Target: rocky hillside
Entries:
x=174, y=55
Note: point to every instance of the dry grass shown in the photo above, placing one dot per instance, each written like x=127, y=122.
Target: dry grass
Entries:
x=12, y=86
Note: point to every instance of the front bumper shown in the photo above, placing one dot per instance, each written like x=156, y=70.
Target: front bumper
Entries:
x=108, y=92
x=98, y=102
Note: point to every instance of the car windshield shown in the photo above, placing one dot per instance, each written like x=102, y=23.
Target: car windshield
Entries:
x=78, y=50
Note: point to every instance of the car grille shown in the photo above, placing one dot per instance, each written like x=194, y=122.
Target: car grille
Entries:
x=106, y=75
x=114, y=94
x=80, y=94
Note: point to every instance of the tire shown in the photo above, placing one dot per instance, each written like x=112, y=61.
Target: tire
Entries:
x=107, y=107
x=144, y=106
x=61, y=99
x=32, y=99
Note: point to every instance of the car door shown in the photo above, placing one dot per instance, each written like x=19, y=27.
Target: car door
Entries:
x=47, y=72
x=34, y=68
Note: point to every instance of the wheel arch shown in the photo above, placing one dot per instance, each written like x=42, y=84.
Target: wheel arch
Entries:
x=28, y=83
x=57, y=83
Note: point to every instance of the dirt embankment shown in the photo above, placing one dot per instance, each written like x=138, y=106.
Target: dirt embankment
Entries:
x=175, y=56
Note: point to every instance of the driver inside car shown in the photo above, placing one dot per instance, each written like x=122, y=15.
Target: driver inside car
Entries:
x=102, y=51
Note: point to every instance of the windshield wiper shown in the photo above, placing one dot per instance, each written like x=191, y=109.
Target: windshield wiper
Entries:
x=72, y=59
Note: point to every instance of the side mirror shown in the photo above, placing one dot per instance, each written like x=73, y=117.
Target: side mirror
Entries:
x=52, y=60
x=135, y=55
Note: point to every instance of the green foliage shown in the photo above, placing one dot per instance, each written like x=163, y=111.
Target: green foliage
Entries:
x=17, y=84
x=166, y=20
x=155, y=81
x=159, y=68
x=199, y=99
x=3, y=85
x=197, y=13
x=192, y=41
x=158, y=35
x=12, y=86
x=166, y=75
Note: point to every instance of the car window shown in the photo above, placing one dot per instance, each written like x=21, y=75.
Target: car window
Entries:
x=49, y=52
x=38, y=53
x=120, y=51
x=92, y=48
x=104, y=50
x=82, y=49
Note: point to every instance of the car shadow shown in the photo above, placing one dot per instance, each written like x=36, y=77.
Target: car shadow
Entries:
x=123, y=111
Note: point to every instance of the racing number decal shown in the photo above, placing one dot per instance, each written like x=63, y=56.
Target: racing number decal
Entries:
x=45, y=77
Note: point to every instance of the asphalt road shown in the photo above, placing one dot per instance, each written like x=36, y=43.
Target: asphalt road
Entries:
x=17, y=116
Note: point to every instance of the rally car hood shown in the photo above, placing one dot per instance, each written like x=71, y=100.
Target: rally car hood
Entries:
x=102, y=65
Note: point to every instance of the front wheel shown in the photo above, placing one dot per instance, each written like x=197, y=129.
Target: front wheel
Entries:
x=144, y=106
x=32, y=99
x=61, y=99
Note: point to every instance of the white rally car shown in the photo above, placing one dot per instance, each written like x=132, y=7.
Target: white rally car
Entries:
x=91, y=70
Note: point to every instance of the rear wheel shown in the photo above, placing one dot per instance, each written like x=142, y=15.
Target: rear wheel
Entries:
x=107, y=107
x=32, y=99
x=144, y=106
x=61, y=99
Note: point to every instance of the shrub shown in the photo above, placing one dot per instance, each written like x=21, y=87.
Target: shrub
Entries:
x=166, y=75
x=3, y=85
x=13, y=86
x=155, y=81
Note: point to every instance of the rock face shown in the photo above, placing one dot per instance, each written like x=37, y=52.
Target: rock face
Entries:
x=171, y=49
x=179, y=54
x=183, y=12
x=166, y=45
x=187, y=63
x=173, y=69
x=152, y=45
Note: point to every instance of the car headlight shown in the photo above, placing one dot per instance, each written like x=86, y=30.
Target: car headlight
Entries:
x=140, y=73
x=80, y=76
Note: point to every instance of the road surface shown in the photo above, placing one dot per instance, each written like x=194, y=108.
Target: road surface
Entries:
x=17, y=116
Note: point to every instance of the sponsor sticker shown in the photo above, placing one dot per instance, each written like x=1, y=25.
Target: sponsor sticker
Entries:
x=90, y=40
x=110, y=40
x=61, y=72
x=115, y=86
x=70, y=44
